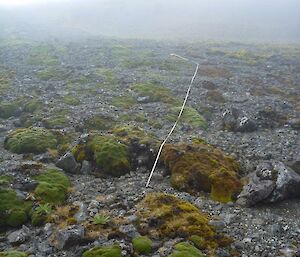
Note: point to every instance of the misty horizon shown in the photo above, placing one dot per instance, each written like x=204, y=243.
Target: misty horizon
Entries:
x=267, y=21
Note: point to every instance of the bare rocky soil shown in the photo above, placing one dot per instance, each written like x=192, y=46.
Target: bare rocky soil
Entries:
x=76, y=81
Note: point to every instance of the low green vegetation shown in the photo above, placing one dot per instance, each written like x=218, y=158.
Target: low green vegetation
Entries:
x=71, y=100
x=124, y=101
x=201, y=167
x=154, y=93
x=5, y=81
x=184, y=249
x=142, y=245
x=40, y=214
x=8, y=109
x=5, y=179
x=107, y=75
x=100, y=219
x=30, y=140
x=51, y=74
x=190, y=117
x=13, y=254
x=42, y=54
x=176, y=218
x=104, y=251
x=13, y=211
x=53, y=187
x=98, y=122
x=110, y=155
x=58, y=121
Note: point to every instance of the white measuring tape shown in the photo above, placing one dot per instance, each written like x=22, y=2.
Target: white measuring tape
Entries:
x=179, y=115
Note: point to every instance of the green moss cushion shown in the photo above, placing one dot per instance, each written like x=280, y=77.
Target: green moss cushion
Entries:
x=53, y=187
x=30, y=140
x=13, y=210
x=105, y=251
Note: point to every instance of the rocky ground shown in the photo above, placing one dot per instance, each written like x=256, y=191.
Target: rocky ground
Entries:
x=245, y=101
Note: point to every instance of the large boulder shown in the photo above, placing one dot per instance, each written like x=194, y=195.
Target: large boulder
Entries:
x=271, y=182
x=236, y=121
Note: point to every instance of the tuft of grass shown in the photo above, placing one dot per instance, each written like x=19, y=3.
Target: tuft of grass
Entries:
x=100, y=219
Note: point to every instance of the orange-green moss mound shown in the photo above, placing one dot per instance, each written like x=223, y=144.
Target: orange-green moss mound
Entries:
x=201, y=167
x=164, y=216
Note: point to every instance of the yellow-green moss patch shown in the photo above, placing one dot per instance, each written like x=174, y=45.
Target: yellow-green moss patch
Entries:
x=30, y=140
x=142, y=244
x=189, y=117
x=201, y=167
x=165, y=216
x=13, y=254
x=185, y=249
x=125, y=101
x=154, y=92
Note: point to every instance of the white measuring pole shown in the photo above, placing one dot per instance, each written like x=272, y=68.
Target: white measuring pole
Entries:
x=179, y=115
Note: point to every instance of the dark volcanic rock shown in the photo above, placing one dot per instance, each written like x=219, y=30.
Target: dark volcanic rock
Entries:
x=271, y=182
x=69, y=237
x=68, y=163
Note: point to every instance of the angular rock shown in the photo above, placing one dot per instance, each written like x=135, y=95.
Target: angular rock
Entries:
x=236, y=121
x=69, y=237
x=271, y=182
x=82, y=213
x=68, y=163
x=19, y=236
x=86, y=167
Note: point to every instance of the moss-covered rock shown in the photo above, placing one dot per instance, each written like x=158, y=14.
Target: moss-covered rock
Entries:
x=13, y=210
x=30, y=140
x=142, y=245
x=105, y=251
x=33, y=105
x=185, y=249
x=201, y=167
x=114, y=153
x=190, y=117
x=13, y=254
x=165, y=216
x=110, y=155
x=53, y=187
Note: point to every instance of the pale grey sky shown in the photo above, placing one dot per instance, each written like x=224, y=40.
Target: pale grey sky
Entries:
x=265, y=20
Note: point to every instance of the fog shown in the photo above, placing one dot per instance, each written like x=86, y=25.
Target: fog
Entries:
x=237, y=20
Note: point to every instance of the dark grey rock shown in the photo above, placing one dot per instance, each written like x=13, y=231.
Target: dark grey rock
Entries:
x=246, y=125
x=86, y=167
x=69, y=237
x=68, y=163
x=271, y=182
x=129, y=230
x=19, y=236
